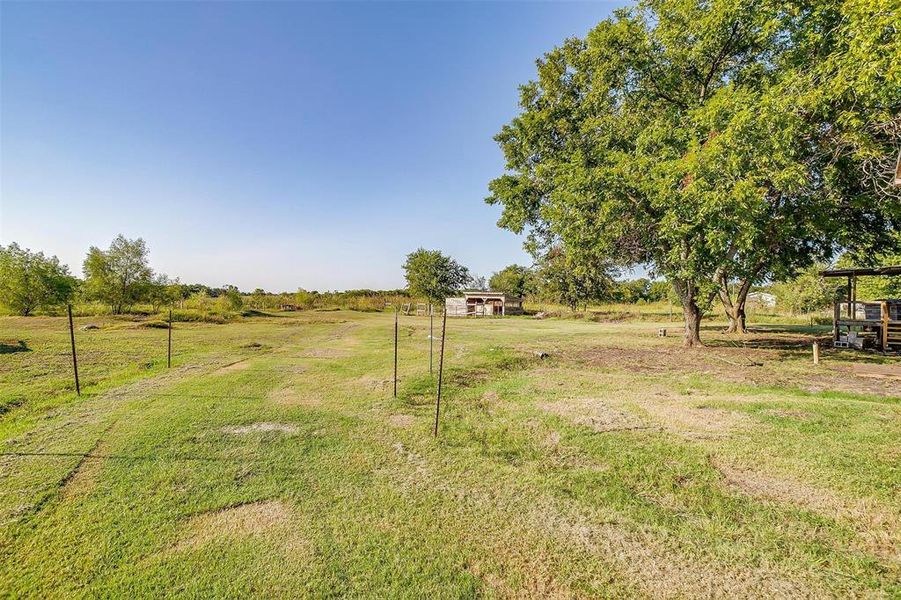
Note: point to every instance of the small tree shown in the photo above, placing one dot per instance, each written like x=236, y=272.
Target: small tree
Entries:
x=660, y=290
x=808, y=291
x=305, y=299
x=119, y=276
x=29, y=280
x=431, y=274
x=258, y=298
x=163, y=291
x=233, y=299
x=514, y=280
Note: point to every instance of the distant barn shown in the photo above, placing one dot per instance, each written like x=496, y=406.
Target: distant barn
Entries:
x=483, y=304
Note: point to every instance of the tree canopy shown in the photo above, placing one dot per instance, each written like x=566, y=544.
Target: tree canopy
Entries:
x=30, y=281
x=119, y=276
x=515, y=280
x=431, y=274
x=687, y=136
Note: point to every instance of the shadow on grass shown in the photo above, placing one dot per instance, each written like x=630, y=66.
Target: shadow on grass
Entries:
x=794, y=340
x=9, y=347
x=252, y=312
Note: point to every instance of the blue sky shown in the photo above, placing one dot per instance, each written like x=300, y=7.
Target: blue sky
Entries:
x=275, y=145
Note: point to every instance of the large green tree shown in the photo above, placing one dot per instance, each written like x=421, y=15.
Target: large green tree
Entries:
x=434, y=275
x=840, y=73
x=674, y=136
x=119, y=276
x=30, y=281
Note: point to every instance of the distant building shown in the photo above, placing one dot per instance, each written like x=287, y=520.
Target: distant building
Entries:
x=762, y=299
x=483, y=304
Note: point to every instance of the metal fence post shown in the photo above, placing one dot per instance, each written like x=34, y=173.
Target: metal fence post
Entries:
x=74, y=356
x=395, y=352
x=431, y=334
x=169, y=354
x=440, y=370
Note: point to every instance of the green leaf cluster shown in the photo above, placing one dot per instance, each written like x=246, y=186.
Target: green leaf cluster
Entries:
x=30, y=281
x=435, y=276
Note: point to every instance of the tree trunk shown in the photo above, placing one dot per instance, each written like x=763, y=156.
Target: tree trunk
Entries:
x=735, y=309
x=737, y=320
x=691, y=312
x=692, y=315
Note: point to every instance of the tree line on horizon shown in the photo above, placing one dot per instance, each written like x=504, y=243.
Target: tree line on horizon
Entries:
x=121, y=278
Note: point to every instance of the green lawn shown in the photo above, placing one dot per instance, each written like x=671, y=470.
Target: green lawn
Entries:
x=272, y=460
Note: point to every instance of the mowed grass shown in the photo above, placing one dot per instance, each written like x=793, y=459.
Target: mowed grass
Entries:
x=272, y=460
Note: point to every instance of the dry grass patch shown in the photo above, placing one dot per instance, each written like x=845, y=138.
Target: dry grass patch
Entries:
x=233, y=367
x=879, y=529
x=749, y=365
x=594, y=413
x=658, y=570
x=237, y=522
x=420, y=466
x=374, y=383
x=323, y=353
x=891, y=372
x=263, y=427
x=290, y=397
x=401, y=420
x=686, y=418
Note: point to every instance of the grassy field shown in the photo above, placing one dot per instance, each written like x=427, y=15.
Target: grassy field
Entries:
x=272, y=460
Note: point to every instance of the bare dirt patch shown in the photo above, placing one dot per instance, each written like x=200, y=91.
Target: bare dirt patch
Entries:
x=290, y=397
x=880, y=530
x=401, y=420
x=594, y=413
x=490, y=396
x=263, y=427
x=256, y=518
x=751, y=365
x=876, y=371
